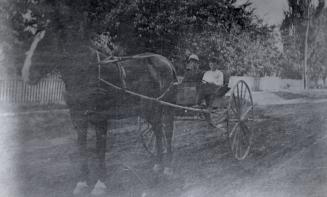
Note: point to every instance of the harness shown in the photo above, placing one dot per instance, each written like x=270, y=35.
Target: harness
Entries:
x=122, y=75
x=120, y=68
x=158, y=99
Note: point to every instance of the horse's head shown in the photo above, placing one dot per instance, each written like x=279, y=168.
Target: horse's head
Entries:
x=39, y=59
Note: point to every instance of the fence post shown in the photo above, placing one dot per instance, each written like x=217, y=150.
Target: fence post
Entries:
x=47, y=91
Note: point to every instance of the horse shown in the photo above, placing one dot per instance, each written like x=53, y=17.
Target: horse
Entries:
x=91, y=102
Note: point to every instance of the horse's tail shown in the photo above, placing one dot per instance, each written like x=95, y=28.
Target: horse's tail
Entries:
x=171, y=66
x=171, y=94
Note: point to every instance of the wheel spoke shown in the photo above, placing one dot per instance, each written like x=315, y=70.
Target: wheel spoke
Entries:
x=241, y=142
x=147, y=132
x=234, y=101
x=245, y=91
x=240, y=110
x=245, y=142
x=236, y=105
x=238, y=97
x=154, y=145
x=150, y=139
x=233, y=130
x=234, y=110
x=164, y=141
x=244, y=115
x=239, y=147
x=245, y=137
x=242, y=90
x=235, y=141
x=217, y=118
x=247, y=132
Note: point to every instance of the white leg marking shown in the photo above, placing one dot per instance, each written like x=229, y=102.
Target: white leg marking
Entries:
x=156, y=168
x=168, y=172
x=99, y=189
x=81, y=187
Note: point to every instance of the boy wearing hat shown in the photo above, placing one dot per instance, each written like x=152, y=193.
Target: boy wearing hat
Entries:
x=192, y=73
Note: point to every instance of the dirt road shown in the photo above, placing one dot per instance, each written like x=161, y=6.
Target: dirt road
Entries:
x=288, y=157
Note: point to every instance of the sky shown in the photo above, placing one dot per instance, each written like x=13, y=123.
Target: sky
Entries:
x=270, y=10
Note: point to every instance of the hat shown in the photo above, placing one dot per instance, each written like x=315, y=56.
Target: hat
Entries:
x=193, y=57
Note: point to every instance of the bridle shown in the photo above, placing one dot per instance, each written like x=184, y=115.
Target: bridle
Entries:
x=116, y=62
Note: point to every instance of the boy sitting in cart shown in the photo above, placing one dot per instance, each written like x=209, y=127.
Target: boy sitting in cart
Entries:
x=212, y=89
x=188, y=88
x=200, y=87
x=211, y=86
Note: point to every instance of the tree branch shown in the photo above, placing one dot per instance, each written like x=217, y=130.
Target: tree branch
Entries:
x=319, y=8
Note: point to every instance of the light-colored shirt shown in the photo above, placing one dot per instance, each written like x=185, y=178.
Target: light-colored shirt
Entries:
x=215, y=77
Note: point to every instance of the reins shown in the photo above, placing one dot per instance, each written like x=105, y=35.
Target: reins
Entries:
x=157, y=99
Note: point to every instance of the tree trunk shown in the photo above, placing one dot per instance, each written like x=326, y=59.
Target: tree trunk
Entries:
x=305, y=77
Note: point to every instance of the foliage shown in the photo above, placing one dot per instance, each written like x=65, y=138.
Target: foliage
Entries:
x=19, y=19
x=318, y=50
x=238, y=52
x=158, y=26
x=217, y=31
x=293, y=35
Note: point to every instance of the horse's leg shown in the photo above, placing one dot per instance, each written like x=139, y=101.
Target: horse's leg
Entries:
x=101, y=141
x=80, y=124
x=157, y=127
x=169, y=132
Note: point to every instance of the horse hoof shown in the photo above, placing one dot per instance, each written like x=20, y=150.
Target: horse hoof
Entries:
x=99, y=189
x=81, y=188
x=168, y=172
x=144, y=194
x=156, y=168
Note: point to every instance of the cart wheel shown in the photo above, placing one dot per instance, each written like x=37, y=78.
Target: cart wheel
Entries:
x=240, y=120
x=217, y=116
x=148, y=140
x=216, y=119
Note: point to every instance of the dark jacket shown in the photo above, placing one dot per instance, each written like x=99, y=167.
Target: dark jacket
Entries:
x=193, y=76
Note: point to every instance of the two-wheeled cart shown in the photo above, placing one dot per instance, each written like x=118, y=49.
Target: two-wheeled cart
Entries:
x=231, y=112
x=231, y=109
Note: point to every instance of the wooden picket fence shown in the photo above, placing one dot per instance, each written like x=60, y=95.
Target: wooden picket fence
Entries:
x=48, y=91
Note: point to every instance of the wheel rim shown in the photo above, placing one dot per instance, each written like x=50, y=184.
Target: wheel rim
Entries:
x=217, y=118
x=240, y=120
x=148, y=140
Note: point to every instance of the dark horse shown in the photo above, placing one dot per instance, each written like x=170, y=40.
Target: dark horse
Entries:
x=93, y=102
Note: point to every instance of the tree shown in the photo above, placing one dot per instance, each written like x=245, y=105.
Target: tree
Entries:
x=164, y=27
x=296, y=24
x=159, y=26
x=318, y=50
